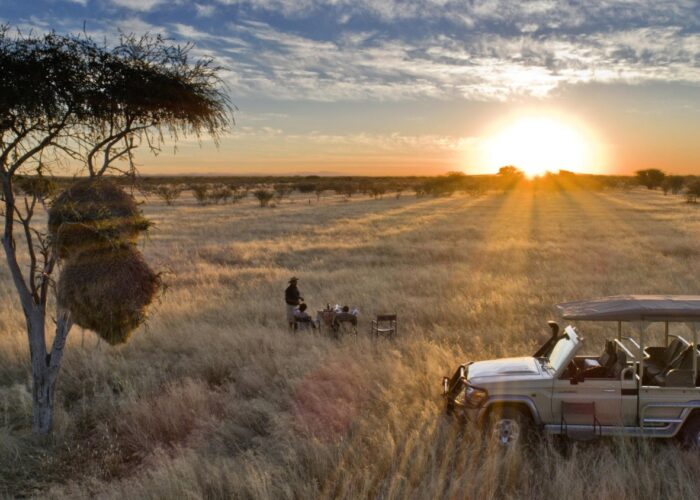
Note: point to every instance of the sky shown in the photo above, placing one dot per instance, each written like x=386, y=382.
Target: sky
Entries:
x=423, y=87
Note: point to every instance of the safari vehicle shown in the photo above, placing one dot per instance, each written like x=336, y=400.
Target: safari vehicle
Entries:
x=633, y=388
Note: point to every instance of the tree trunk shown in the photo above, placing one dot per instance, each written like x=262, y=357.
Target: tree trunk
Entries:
x=42, y=395
x=45, y=368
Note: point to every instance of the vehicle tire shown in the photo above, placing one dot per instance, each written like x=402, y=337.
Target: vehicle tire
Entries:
x=690, y=433
x=509, y=427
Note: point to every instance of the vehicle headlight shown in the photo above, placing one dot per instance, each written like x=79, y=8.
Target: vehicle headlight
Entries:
x=474, y=397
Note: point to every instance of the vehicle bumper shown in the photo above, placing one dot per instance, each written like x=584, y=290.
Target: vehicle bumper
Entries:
x=471, y=415
x=451, y=390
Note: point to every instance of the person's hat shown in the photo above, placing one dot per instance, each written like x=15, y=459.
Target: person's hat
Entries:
x=293, y=279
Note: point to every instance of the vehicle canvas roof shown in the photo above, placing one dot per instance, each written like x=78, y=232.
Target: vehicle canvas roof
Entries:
x=671, y=308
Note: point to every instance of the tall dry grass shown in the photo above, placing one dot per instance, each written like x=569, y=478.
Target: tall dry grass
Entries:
x=216, y=399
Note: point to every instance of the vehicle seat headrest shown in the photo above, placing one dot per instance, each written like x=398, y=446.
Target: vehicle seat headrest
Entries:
x=620, y=363
x=674, y=349
x=610, y=347
x=621, y=357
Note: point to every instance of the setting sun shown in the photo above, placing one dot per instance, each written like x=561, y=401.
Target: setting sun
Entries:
x=539, y=144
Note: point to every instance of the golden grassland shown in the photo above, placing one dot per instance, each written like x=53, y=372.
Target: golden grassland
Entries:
x=216, y=399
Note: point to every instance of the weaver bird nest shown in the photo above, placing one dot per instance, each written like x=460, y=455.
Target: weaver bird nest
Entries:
x=93, y=214
x=107, y=290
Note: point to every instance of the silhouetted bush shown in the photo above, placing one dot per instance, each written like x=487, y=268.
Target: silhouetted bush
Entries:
x=220, y=194
x=377, y=191
x=167, y=193
x=651, y=178
x=264, y=197
x=509, y=177
x=305, y=187
x=673, y=183
x=239, y=194
x=445, y=185
x=201, y=193
x=283, y=190
x=346, y=189
x=693, y=191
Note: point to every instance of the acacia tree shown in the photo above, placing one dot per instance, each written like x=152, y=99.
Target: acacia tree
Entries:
x=146, y=88
x=64, y=97
x=651, y=178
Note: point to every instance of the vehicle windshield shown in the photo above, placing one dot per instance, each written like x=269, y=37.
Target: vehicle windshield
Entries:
x=561, y=353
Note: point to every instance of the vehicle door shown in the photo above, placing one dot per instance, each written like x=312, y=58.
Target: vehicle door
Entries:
x=606, y=393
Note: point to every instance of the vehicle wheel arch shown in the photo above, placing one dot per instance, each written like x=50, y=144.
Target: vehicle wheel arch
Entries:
x=691, y=425
x=500, y=405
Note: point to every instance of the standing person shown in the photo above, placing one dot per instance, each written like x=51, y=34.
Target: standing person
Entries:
x=293, y=298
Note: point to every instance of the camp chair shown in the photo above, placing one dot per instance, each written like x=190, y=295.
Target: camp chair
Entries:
x=579, y=414
x=324, y=317
x=344, y=323
x=304, y=325
x=385, y=325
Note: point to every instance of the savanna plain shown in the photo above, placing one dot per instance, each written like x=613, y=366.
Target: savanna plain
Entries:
x=215, y=398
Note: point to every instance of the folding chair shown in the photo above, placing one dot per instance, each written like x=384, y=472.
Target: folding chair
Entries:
x=579, y=414
x=324, y=318
x=385, y=325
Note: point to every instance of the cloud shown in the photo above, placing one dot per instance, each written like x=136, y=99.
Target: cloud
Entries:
x=481, y=66
x=140, y=5
x=554, y=14
x=204, y=10
x=494, y=50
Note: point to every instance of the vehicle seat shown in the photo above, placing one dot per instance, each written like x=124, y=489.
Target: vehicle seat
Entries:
x=661, y=360
x=682, y=361
x=607, y=359
x=607, y=364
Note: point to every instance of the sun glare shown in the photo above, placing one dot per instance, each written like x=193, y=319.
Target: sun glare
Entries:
x=536, y=145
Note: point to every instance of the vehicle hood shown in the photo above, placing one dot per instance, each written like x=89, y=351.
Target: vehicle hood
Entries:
x=525, y=367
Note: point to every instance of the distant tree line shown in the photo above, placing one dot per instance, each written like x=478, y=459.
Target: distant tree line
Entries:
x=272, y=190
x=654, y=178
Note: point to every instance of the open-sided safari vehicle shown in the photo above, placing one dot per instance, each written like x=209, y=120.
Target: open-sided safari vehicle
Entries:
x=635, y=387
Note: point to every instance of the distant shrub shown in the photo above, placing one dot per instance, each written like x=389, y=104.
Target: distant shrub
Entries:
x=377, y=191
x=264, y=196
x=220, y=194
x=283, y=190
x=167, y=193
x=239, y=194
x=201, y=193
x=509, y=177
x=365, y=187
x=651, y=178
x=346, y=189
x=319, y=189
x=693, y=191
x=305, y=187
x=673, y=183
